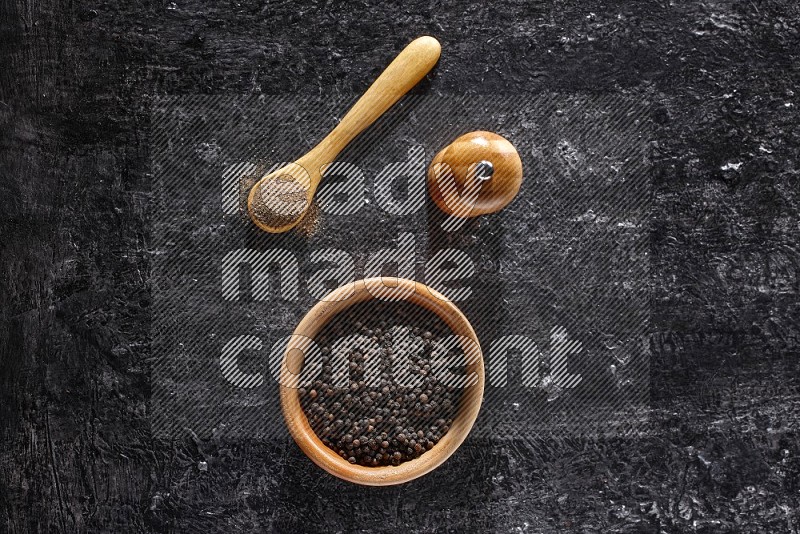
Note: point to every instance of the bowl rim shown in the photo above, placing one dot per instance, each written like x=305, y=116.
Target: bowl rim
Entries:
x=398, y=289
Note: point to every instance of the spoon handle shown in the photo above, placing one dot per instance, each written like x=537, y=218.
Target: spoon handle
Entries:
x=407, y=69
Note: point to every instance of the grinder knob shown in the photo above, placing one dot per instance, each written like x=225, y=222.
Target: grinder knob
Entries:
x=479, y=173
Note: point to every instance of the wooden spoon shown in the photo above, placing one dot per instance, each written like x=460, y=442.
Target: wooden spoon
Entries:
x=278, y=201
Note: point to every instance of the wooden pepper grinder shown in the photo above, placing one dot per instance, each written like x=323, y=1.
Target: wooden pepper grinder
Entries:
x=479, y=173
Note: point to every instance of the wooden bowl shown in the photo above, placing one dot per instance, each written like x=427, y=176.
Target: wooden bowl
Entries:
x=338, y=301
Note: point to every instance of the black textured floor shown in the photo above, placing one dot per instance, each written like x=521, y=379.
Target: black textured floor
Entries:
x=723, y=450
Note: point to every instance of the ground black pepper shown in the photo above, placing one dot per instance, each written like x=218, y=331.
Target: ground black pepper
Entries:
x=279, y=201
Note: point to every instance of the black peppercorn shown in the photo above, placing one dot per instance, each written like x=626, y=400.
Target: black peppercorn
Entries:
x=376, y=420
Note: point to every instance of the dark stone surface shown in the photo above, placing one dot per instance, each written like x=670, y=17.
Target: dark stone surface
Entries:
x=722, y=454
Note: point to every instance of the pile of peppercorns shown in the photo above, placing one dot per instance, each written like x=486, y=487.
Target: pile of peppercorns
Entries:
x=376, y=417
